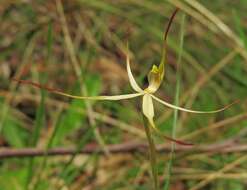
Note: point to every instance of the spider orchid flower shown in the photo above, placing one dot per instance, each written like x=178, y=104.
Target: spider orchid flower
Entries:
x=155, y=78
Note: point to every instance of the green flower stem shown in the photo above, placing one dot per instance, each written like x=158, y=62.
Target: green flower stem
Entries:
x=152, y=153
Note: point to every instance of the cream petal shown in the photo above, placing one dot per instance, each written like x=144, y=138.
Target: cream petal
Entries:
x=116, y=97
x=188, y=110
x=132, y=80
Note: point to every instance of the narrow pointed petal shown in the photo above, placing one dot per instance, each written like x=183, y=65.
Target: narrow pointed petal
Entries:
x=148, y=108
x=188, y=110
x=132, y=80
x=116, y=97
x=113, y=98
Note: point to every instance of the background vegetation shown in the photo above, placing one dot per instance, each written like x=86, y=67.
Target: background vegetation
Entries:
x=77, y=46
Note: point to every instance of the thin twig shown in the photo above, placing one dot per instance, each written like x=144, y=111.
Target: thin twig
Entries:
x=122, y=148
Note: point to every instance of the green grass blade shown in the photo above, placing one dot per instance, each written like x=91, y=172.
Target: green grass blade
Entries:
x=43, y=77
x=40, y=113
x=39, y=122
x=239, y=28
x=175, y=117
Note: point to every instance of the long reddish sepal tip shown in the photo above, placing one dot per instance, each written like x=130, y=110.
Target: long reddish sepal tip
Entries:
x=170, y=22
x=34, y=84
x=178, y=141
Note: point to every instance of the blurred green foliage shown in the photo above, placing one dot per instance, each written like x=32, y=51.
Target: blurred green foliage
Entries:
x=31, y=35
